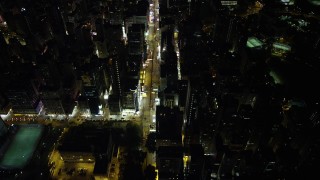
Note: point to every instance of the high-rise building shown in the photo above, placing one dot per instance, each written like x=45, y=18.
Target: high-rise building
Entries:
x=3, y=128
x=23, y=99
x=170, y=162
x=195, y=166
x=169, y=126
x=115, y=72
x=130, y=93
x=4, y=55
x=136, y=41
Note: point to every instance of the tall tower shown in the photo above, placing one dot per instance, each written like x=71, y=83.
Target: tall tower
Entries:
x=3, y=128
x=4, y=55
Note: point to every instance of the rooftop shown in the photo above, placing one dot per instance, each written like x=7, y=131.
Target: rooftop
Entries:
x=281, y=46
x=315, y=2
x=253, y=42
x=168, y=123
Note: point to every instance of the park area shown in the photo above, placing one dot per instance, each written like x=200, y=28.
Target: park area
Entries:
x=22, y=147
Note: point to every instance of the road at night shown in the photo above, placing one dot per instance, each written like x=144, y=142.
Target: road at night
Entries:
x=151, y=82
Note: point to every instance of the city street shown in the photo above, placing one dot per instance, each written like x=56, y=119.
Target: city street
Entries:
x=152, y=70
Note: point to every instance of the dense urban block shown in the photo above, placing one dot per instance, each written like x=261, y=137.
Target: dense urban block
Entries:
x=159, y=89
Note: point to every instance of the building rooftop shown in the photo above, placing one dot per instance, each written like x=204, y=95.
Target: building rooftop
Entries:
x=168, y=123
x=170, y=152
x=281, y=46
x=315, y=2
x=254, y=42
